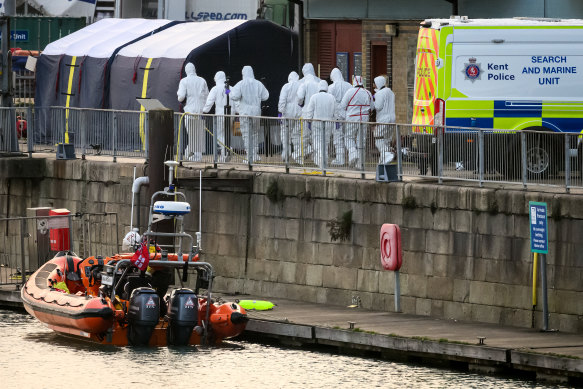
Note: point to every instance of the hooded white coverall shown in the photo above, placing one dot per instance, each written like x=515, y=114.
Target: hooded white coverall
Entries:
x=384, y=103
x=249, y=93
x=356, y=103
x=338, y=89
x=194, y=89
x=308, y=86
x=218, y=97
x=289, y=108
x=322, y=106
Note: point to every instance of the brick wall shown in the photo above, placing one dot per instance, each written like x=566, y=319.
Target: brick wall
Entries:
x=400, y=58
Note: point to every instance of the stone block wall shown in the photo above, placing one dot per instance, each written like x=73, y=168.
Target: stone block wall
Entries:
x=466, y=250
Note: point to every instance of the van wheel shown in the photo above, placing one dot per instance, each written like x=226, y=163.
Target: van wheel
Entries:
x=543, y=153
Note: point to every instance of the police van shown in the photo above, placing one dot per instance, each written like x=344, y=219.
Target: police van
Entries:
x=506, y=75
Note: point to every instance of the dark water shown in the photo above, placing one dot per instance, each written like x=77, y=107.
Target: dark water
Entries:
x=33, y=356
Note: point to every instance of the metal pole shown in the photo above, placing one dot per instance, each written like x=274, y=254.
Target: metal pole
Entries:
x=543, y=274
x=114, y=137
x=147, y=125
x=440, y=132
x=161, y=9
x=397, y=292
x=64, y=123
x=324, y=125
x=567, y=164
x=6, y=87
x=83, y=134
x=287, y=142
x=481, y=156
x=300, y=5
x=216, y=140
x=399, y=152
x=70, y=217
x=199, y=233
x=534, y=274
x=361, y=148
x=23, y=234
x=29, y=130
x=523, y=157
x=226, y=122
x=249, y=141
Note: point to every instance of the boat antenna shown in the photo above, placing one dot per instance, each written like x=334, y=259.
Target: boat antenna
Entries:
x=171, y=165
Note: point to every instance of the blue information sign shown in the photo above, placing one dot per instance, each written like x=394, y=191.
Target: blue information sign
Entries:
x=18, y=35
x=539, y=238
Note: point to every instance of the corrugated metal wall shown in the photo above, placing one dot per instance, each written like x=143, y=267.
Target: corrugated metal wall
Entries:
x=422, y=9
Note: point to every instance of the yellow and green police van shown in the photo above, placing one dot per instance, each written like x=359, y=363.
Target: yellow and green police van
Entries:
x=506, y=75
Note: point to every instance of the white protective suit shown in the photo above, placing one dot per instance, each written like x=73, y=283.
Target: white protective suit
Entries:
x=338, y=89
x=218, y=98
x=357, y=104
x=194, y=89
x=249, y=93
x=384, y=103
x=322, y=106
x=308, y=86
x=289, y=109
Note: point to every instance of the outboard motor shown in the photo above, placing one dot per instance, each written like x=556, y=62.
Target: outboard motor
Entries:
x=143, y=315
x=183, y=316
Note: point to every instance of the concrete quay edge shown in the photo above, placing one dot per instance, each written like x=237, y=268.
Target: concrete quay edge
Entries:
x=538, y=361
x=491, y=359
x=550, y=356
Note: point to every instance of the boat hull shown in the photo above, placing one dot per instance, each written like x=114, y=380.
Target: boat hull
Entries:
x=74, y=308
x=52, y=306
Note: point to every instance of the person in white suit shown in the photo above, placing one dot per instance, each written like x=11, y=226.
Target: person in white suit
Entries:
x=289, y=109
x=338, y=89
x=322, y=106
x=384, y=103
x=195, y=90
x=308, y=86
x=218, y=98
x=356, y=105
x=249, y=93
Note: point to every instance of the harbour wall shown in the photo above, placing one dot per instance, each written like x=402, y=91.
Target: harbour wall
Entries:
x=466, y=250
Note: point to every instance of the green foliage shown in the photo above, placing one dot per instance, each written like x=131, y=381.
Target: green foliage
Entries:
x=340, y=228
x=556, y=213
x=307, y=195
x=493, y=208
x=274, y=192
x=409, y=202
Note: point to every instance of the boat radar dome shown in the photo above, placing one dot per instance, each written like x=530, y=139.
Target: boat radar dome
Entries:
x=171, y=207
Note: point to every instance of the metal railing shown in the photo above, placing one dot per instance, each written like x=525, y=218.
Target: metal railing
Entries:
x=318, y=147
x=24, y=84
x=26, y=243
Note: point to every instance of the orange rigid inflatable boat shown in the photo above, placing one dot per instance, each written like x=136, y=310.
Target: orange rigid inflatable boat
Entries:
x=67, y=295
x=134, y=299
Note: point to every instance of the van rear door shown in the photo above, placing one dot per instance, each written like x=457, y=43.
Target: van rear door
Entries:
x=425, y=76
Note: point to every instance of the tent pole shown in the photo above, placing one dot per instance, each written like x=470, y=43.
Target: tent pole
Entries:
x=300, y=5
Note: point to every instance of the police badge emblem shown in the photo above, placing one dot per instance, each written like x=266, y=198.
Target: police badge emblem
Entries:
x=472, y=70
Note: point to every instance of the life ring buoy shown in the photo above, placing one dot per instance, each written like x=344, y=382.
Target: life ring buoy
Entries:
x=391, y=253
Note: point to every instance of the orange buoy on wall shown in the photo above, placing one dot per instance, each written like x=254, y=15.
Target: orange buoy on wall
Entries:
x=391, y=253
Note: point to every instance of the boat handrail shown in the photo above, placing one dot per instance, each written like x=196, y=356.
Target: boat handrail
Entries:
x=185, y=235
